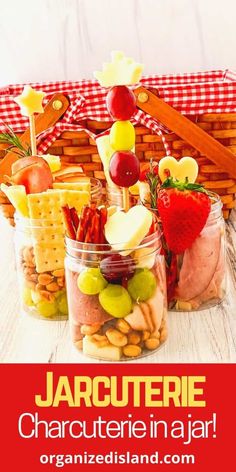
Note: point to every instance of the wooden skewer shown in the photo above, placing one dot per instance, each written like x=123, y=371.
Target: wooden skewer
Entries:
x=125, y=192
x=33, y=135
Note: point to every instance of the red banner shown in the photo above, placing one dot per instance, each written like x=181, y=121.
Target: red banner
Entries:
x=101, y=416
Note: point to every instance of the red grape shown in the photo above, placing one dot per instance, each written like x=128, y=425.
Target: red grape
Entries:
x=124, y=168
x=115, y=267
x=121, y=102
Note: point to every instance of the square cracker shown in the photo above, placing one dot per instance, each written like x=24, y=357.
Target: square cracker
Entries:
x=49, y=257
x=48, y=231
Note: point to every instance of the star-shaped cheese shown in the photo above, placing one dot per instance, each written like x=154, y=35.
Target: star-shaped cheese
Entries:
x=30, y=101
x=121, y=70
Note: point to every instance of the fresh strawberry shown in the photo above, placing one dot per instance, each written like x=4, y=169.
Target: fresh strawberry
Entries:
x=184, y=209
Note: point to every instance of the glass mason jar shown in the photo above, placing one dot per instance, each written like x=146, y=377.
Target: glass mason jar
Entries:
x=117, y=302
x=39, y=247
x=40, y=254
x=201, y=269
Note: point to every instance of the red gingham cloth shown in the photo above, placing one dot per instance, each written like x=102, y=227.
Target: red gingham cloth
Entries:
x=190, y=94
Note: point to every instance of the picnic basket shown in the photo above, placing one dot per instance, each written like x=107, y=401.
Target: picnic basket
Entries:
x=207, y=99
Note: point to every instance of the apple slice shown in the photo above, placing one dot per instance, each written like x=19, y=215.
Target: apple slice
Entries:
x=125, y=231
x=17, y=196
x=186, y=167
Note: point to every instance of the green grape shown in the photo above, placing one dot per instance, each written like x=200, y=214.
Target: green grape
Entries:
x=116, y=301
x=122, y=136
x=62, y=304
x=59, y=293
x=26, y=297
x=142, y=285
x=91, y=281
x=47, y=309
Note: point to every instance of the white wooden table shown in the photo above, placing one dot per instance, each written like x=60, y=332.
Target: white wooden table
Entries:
x=201, y=337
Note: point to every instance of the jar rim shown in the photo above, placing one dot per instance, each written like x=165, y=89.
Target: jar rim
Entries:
x=105, y=249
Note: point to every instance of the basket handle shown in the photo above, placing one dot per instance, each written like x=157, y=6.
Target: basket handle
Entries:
x=53, y=111
x=186, y=129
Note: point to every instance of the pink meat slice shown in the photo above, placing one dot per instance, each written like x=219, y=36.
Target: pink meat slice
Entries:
x=83, y=309
x=199, y=264
x=214, y=289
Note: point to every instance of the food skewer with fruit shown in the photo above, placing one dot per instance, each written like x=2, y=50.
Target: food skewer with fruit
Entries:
x=115, y=272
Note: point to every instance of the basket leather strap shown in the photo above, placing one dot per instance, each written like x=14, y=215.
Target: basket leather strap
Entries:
x=53, y=111
x=186, y=129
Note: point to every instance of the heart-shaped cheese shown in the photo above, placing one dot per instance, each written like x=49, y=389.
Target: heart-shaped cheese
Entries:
x=185, y=167
x=125, y=231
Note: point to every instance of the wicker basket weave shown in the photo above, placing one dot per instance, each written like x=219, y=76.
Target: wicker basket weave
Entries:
x=78, y=148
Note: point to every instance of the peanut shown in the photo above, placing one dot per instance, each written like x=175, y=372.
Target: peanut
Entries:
x=61, y=281
x=58, y=273
x=45, y=279
x=39, y=287
x=45, y=294
x=164, y=334
x=116, y=337
x=152, y=343
x=53, y=287
x=89, y=329
x=99, y=339
x=132, y=350
x=145, y=335
x=33, y=277
x=27, y=255
x=134, y=337
x=31, y=264
x=28, y=271
x=123, y=326
x=79, y=344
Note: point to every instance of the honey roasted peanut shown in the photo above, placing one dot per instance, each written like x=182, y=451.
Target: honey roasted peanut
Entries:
x=45, y=279
x=52, y=287
x=132, y=350
x=61, y=281
x=58, y=273
x=134, y=337
x=145, y=335
x=99, y=340
x=123, y=326
x=152, y=343
x=89, y=329
x=116, y=338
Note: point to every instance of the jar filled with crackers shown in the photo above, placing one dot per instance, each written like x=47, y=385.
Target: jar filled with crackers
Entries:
x=39, y=246
x=116, y=292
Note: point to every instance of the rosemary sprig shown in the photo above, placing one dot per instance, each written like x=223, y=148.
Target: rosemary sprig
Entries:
x=12, y=139
x=153, y=182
